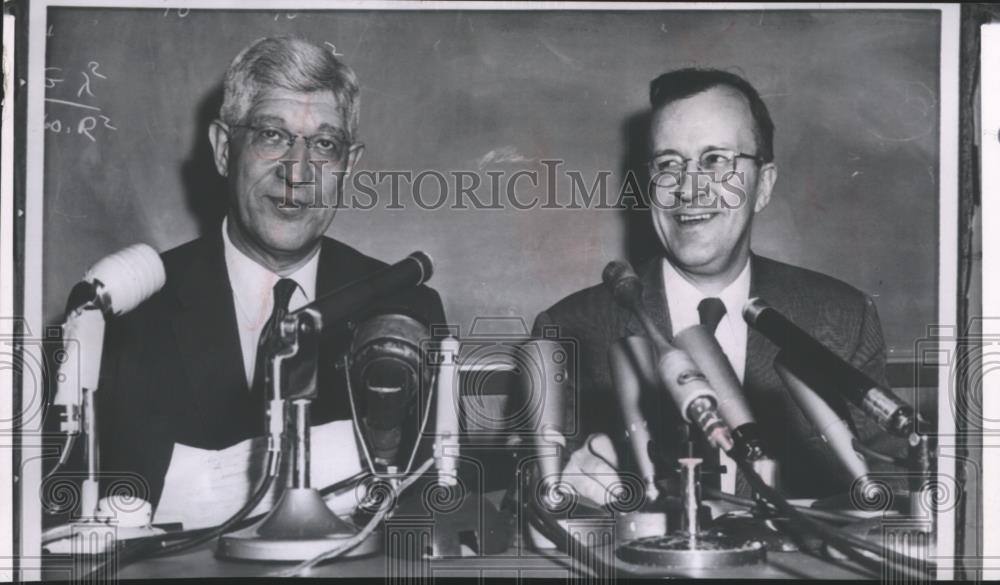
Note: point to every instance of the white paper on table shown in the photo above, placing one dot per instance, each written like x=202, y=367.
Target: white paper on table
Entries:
x=204, y=487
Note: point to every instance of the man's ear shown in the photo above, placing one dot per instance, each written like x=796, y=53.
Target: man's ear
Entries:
x=353, y=156
x=218, y=135
x=765, y=183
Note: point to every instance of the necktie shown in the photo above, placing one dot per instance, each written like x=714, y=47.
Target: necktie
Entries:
x=710, y=311
x=283, y=290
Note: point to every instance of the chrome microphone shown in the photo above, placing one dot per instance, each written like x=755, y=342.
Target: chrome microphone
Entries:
x=554, y=384
x=706, y=352
x=631, y=360
x=386, y=367
x=446, y=422
x=118, y=283
x=828, y=423
x=821, y=369
x=113, y=286
x=686, y=384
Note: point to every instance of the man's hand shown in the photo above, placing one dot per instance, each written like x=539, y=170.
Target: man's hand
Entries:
x=592, y=470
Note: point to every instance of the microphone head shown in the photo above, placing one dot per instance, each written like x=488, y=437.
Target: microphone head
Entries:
x=752, y=310
x=623, y=282
x=426, y=264
x=387, y=367
x=127, y=278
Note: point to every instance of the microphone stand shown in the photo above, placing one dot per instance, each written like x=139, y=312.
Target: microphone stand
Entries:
x=460, y=520
x=692, y=546
x=300, y=526
x=94, y=530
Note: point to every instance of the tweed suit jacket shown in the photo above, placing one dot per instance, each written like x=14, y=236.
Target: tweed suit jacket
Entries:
x=838, y=315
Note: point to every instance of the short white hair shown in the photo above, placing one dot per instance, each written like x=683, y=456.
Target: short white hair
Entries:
x=293, y=64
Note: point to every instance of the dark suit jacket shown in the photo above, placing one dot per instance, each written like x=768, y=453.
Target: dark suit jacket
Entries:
x=838, y=315
x=172, y=369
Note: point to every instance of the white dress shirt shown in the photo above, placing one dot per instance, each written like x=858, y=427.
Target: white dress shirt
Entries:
x=253, y=295
x=683, y=298
x=682, y=302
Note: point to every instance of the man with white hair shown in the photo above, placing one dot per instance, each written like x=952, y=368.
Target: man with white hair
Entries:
x=186, y=366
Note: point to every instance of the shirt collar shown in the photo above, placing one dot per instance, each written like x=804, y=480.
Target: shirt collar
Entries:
x=682, y=294
x=249, y=279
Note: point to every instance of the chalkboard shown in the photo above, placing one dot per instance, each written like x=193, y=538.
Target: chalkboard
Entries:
x=854, y=96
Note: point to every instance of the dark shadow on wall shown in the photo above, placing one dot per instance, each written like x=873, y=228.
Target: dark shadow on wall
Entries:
x=641, y=241
x=204, y=189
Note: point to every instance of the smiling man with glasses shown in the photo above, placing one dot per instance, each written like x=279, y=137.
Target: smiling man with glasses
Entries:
x=185, y=367
x=712, y=170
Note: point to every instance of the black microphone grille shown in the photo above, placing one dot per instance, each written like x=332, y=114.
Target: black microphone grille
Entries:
x=615, y=271
x=623, y=283
x=426, y=265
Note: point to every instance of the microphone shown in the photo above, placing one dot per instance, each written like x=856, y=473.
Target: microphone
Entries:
x=342, y=303
x=114, y=285
x=631, y=361
x=678, y=373
x=707, y=354
x=118, y=283
x=446, y=420
x=386, y=367
x=820, y=368
x=554, y=384
x=830, y=425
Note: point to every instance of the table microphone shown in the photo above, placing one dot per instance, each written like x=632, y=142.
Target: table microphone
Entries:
x=706, y=352
x=631, y=360
x=119, y=282
x=828, y=423
x=113, y=286
x=346, y=301
x=685, y=383
x=820, y=368
x=554, y=384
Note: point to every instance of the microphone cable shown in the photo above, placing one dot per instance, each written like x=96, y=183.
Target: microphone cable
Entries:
x=128, y=552
x=849, y=544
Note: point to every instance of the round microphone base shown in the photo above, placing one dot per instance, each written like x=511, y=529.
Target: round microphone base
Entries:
x=252, y=547
x=707, y=549
x=766, y=530
x=299, y=528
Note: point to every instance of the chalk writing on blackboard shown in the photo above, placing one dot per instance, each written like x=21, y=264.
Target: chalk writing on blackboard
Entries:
x=73, y=114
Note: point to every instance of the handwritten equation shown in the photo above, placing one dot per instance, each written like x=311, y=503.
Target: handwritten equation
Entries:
x=75, y=112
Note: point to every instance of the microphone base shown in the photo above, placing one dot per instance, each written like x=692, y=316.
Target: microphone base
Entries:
x=707, y=549
x=762, y=529
x=299, y=528
x=458, y=523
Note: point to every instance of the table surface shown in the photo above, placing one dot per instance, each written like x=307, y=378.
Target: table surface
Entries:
x=518, y=561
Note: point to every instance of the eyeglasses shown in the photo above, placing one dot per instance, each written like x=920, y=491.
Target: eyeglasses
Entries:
x=668, y=170
x=272, y=143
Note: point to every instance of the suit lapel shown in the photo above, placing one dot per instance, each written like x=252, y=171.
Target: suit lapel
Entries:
x=760, y=352
x=205, y=331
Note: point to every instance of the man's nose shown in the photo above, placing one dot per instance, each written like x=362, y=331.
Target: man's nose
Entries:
x=685, y=189
x=296, y=167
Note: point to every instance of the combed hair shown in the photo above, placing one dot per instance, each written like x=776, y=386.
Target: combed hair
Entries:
x=684, y=83
x=292, y=64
